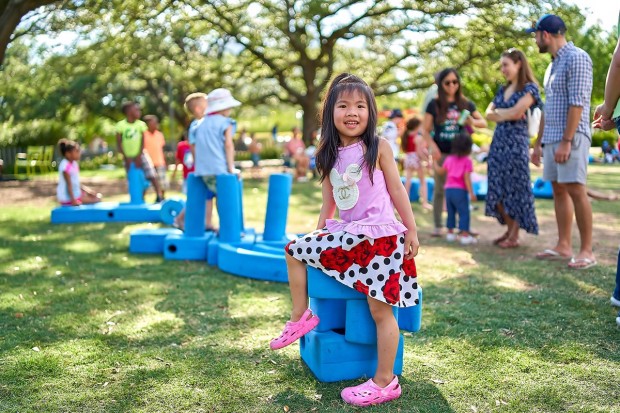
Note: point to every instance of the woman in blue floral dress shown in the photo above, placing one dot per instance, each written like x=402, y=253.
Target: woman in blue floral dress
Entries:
x=510, y=198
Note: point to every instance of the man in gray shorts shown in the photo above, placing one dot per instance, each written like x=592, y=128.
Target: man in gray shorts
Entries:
x=564, y=138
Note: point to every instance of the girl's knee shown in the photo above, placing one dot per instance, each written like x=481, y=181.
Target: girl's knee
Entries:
x=379, y=310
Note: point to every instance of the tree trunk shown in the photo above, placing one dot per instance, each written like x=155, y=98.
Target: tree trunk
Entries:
x=310, y=120
x=11, y=13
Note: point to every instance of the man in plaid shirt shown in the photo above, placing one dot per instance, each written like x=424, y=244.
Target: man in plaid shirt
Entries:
x=564, y=138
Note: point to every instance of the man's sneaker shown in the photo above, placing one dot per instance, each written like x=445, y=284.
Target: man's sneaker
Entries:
x=468, y=240
x=450, y=237
x=614, y=301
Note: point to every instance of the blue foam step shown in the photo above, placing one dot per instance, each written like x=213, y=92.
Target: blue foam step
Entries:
x=240, y=259
x=182, y=247
x=331, y=313
x=150, y=241
x=331, y=358
x=100, y=212
x=359, y=325
x=542, y=189
x=137, y=213
x=410, y=318
x=321, y=285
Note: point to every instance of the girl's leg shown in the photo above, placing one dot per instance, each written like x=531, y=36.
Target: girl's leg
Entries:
x=209, y=214
x=297, y=282
x=88, y=198
x=387, y=341
x=451, y=206
x=462, y=207
x=179, y=220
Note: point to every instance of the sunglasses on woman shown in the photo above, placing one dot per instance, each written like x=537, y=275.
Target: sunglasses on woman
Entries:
x=448, y=82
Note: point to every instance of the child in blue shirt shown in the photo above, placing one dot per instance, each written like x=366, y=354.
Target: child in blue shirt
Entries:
x=212, y=143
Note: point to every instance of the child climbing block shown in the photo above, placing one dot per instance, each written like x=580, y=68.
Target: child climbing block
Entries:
x=321, y=285
x=150, y=241
x=182, y=247
x=410, y=318
x=331, y=358
x=359, y=325
x=330, y=312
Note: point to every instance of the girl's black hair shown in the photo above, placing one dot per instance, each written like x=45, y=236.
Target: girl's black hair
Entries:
x=461, y=145
x=327, y=152
x=66, y=145
x=442, y=98
x=412, y=124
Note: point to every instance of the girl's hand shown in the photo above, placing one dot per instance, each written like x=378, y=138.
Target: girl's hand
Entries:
x=75, y=202
x=411, y=244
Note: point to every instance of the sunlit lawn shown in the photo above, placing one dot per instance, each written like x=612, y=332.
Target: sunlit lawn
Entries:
x=87, y=327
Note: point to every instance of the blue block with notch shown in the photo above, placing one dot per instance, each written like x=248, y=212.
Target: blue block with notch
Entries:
x=410, y=318
x=321, y=285
x=331, y=313
x=332, y=358
x=150, y=241
x=183, y=247
x=360, y=327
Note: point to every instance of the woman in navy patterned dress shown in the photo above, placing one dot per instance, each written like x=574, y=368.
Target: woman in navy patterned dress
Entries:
x=510, y=198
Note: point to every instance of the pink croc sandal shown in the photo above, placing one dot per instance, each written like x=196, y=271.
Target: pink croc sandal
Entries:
x=368, y=394
x=295, y=329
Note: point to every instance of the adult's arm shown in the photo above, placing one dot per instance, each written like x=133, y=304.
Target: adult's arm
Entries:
x=427, y=126
x=518, y=110
x=604, y=112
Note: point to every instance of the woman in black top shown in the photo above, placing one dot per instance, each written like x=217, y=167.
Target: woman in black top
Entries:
x=441, y=125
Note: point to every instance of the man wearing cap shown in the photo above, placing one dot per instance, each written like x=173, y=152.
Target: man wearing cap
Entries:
x=391, y=128
x=564, y=138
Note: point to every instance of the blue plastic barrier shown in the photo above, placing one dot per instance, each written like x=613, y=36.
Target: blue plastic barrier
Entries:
x=150, y=241
x=277, y=206
x=229, y=208
x=542, y=189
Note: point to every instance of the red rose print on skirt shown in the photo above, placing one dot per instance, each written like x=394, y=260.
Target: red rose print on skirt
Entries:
x=409, y=268
x=391, y=289
x=361, y=287
x=336, y=259
x=385, y=246
x=363, y=253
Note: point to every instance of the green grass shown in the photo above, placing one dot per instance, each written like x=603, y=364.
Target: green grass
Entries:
x=116, y=332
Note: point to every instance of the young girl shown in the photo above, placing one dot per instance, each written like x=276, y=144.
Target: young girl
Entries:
x=368, y=250
x=69, y=190
x=458, y=189
x=412, y=145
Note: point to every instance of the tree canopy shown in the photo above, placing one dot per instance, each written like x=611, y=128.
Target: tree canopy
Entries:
x=270, y=52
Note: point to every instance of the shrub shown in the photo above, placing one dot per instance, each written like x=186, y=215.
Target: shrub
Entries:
x=599, y=136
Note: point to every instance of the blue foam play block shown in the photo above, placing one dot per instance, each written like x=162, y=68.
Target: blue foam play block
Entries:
x=481, y=188
x=410, y=318
x=331, y=313
x=359, y=325
x=331, y=358
x=321, y=285
x=542, y=189
x=137, y=213
x=182, y=247
x=100, y=212
x=414, y=191
x=170, y=209
x=150, y=240
x=240, y=259
x=213, y=249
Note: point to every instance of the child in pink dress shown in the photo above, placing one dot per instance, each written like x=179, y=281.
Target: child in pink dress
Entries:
x=458, y=189
x=368, y=249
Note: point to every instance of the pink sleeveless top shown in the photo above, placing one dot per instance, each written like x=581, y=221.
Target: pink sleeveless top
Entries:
x=364, y=208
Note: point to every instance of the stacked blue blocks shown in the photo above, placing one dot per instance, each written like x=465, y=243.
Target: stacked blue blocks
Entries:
x=344, y=344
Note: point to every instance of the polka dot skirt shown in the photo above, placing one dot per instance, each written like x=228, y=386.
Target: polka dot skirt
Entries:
x=374, y=267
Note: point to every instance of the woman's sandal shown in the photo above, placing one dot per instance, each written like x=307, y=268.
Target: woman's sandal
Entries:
x=504, y=237
x=368, y=393
x=295, y=329
x=508, y=243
